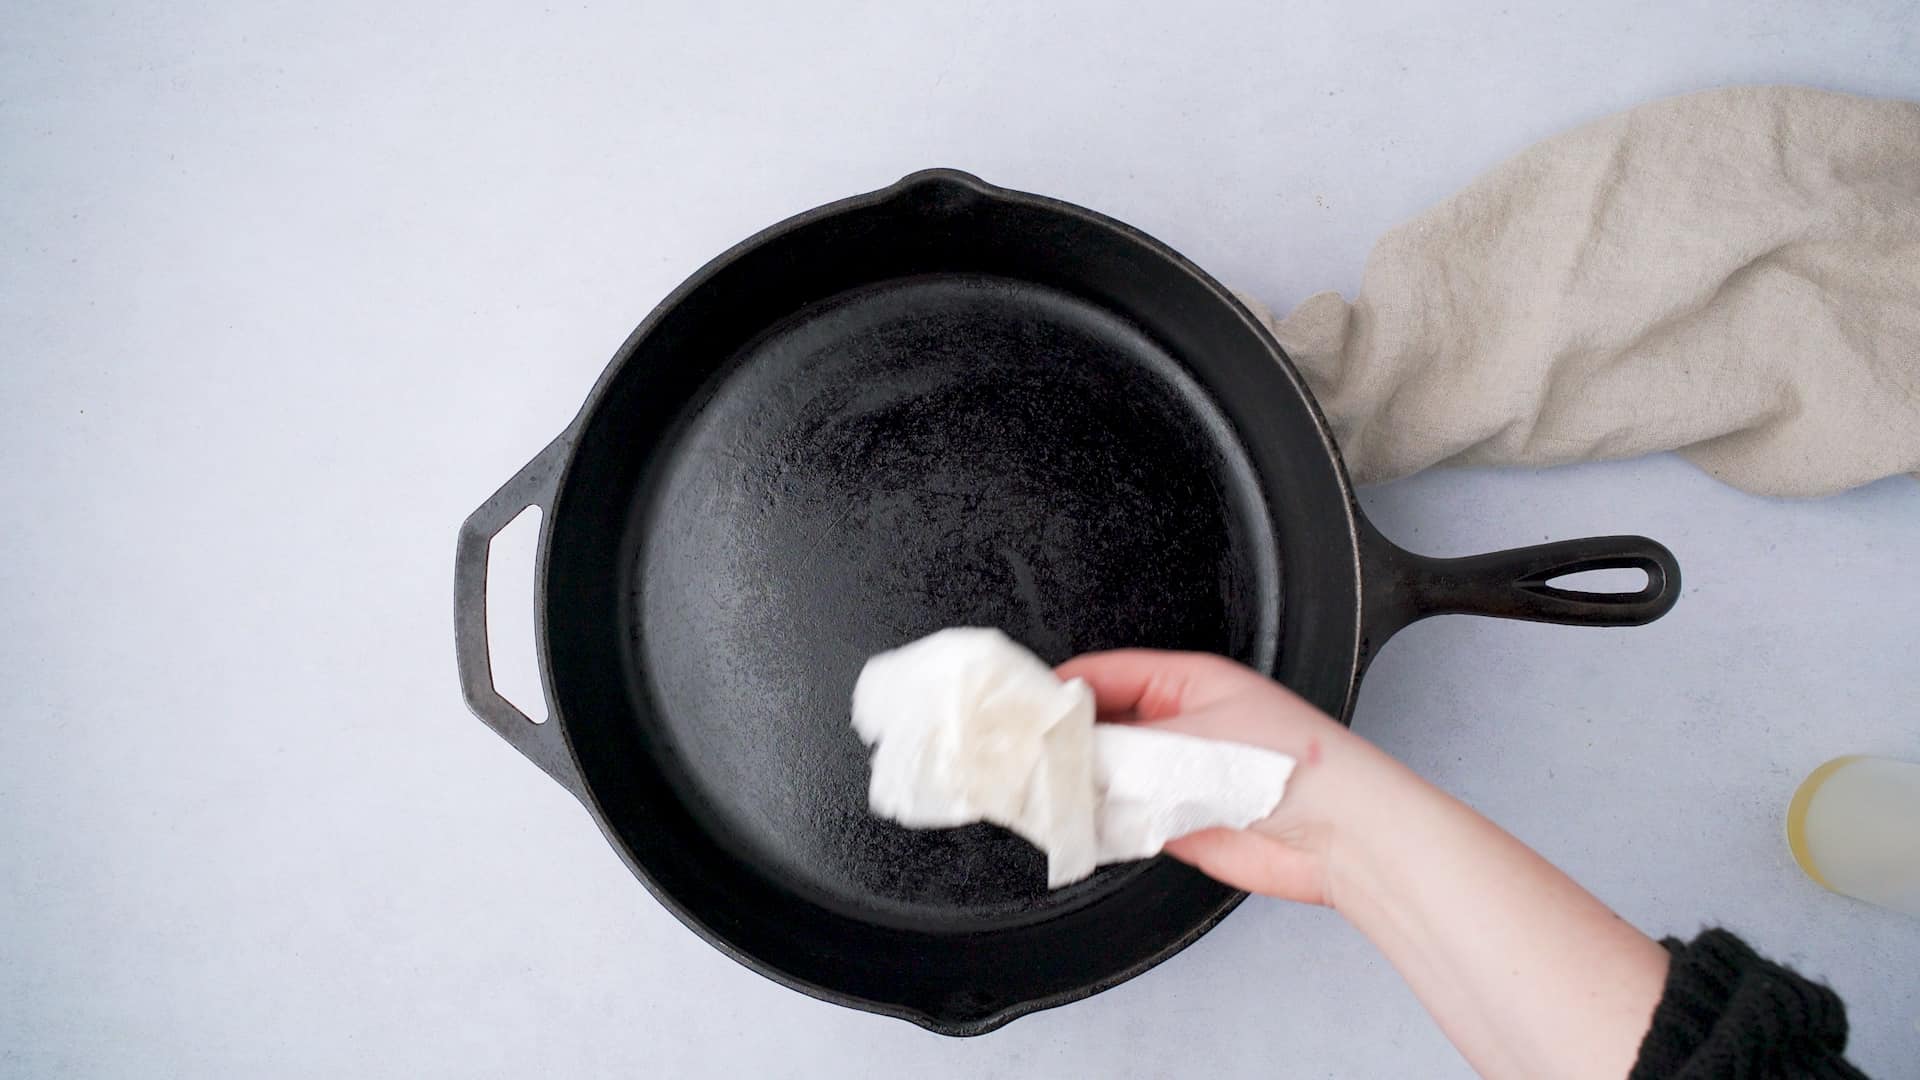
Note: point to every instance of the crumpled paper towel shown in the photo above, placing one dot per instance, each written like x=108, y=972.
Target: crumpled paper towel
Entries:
x=968, y=726
x=1734, y=274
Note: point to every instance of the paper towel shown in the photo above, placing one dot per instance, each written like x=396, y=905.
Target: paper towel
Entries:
x=967, y=726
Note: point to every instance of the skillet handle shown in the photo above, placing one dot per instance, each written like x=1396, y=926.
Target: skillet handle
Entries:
x=543, y=743
x=1513, y=584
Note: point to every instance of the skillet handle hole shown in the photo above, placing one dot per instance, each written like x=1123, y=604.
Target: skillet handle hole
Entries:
x=1626, y=581
x=511, y=649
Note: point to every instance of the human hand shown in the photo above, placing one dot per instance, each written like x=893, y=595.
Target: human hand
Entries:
x=1526, y=972
x=1289, y=853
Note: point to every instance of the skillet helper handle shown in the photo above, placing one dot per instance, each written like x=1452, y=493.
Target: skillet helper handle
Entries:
x=543, y=743
x=1513, y=584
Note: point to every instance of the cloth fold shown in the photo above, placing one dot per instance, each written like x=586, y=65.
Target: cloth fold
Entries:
x=1734, y=274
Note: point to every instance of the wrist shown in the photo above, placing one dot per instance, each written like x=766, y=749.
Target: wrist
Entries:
x=1368, y=799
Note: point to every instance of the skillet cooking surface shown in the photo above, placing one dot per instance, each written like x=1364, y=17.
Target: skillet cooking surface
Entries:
x=944, y=449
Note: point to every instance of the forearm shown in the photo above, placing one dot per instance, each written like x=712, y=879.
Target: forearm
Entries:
x=1525, y=971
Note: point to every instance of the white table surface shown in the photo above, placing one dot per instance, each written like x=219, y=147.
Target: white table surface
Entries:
x=288, y=288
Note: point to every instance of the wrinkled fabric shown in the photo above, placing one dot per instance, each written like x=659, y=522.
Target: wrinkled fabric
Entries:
x=966, y=725
x=1734, y=274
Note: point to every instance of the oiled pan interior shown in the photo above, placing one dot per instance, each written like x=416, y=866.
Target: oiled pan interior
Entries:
x=936, y=450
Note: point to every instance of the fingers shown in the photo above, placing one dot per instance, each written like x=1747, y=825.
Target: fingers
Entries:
x=1151, y=684
x=1250, y=861
x=1254, y=727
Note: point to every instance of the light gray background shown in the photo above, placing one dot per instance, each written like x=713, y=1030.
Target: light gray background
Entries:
x=288, y=288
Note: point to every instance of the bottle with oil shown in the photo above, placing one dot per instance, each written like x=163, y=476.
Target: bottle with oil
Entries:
x=1854, y=827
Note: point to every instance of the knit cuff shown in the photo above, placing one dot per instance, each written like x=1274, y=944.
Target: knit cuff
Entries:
x=1728, y=1013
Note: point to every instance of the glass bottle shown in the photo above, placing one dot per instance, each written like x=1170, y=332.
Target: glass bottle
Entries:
x=1854, y=827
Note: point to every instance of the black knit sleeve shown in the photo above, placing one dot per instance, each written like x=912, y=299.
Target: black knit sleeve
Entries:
x=1727, y=1013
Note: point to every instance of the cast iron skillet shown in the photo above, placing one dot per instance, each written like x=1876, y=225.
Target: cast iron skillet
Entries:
x=939, y=404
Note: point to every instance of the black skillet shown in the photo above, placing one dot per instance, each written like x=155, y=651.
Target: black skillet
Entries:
x=938, y=404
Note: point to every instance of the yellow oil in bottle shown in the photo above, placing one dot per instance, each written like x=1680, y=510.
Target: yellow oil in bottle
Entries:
x=1854, y=827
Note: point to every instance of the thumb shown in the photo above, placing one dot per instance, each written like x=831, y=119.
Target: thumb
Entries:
x=1252, y=861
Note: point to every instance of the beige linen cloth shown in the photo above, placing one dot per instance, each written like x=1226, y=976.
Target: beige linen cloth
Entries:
x=1734, y=274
